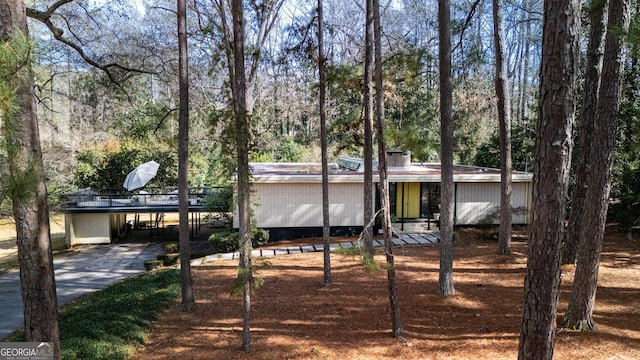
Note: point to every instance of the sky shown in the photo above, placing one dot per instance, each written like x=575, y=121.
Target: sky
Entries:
x=137, y=4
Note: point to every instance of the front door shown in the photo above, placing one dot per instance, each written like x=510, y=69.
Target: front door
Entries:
x=408, y=200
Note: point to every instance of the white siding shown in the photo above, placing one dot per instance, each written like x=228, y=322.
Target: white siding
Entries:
x=477, y=202
x=289, y=204
x=300, y=205
x=88, y=228
x=521, y=202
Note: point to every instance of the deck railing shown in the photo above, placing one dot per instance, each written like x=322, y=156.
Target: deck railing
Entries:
x=151, y=197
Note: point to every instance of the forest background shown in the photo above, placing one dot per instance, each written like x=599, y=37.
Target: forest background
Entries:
x=100, y=118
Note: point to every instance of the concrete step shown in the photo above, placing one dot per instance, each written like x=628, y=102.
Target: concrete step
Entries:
x=414, y=227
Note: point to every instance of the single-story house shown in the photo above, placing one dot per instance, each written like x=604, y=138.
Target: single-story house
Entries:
x=286, y=198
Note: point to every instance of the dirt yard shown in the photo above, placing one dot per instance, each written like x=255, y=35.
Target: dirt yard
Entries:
x=295, y=317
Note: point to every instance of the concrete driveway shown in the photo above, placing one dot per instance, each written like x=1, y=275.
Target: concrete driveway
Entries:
x=92, y=268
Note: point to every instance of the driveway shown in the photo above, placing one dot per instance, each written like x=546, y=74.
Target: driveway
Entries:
x=92, y=268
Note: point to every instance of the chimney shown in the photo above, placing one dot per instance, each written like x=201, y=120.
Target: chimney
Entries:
x=399, y=159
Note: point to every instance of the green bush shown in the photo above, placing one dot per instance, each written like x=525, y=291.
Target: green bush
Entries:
x=259, y=237
x=171, y=248
x=219, y=199
x=224, y=242
x=169, y=259
x=104, y=165
x=152, y=264
x=229, y=241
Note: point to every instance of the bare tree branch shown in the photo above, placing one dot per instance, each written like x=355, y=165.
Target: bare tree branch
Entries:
x=45, y=18
x=53, y=7
x=472, y=11
x=164, y=117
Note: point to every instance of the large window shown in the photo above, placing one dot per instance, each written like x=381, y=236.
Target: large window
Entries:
x=429, y=200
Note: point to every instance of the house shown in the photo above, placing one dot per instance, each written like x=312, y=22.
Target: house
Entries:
x=287, y=197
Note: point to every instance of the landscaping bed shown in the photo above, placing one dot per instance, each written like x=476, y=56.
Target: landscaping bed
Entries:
x=295, y=317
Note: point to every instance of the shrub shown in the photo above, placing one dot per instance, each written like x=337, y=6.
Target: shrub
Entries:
x=259, y=237
x=152, y=264
x=219, y=199
x=224, y=242
x=171, y=248
x=169, y=259
x=229, y=241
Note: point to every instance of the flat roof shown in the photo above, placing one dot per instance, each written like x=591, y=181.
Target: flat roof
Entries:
x=416, y=172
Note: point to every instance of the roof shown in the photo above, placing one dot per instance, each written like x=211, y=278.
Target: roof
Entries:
x=416, y=172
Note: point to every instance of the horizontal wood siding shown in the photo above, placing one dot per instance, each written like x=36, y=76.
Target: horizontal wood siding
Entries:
x=478, y=203
x=300, y=205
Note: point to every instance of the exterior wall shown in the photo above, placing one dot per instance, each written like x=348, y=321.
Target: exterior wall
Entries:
x=88, y=228
x=118, y=224
x=478, y=203
x=300, y=204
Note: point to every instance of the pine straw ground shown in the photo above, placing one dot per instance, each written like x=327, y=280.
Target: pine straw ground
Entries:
x=293, y=316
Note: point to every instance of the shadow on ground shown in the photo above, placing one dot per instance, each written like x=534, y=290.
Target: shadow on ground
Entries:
x=200, y=245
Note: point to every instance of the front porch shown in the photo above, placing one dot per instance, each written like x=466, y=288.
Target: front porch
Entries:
x=415, y=206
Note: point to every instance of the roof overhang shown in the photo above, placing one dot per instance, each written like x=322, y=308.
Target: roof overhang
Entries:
x=272, y=173
x=358, y=178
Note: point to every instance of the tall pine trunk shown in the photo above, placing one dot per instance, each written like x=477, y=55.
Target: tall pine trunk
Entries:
x=598, y=14
x=504, y=117
x=326, y=229
x=368, y=134
x=29, y=193
x=601, y=153
x=446, y=151
x=245, y=273
x=188, y=300
x=558, y=73
x=396, y=322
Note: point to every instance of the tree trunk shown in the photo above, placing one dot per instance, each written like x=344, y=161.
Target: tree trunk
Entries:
x=601, y=153
x=551, y=176
x=446, y=151
x=598, y=14
x=227, y=36
x=245, y=275
x=396, y=322
x=29, y=194
x=188, y=300
x=326, y=229
x=504, y=117
x=267, y=14
x=524, y=96
x=368, y=134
